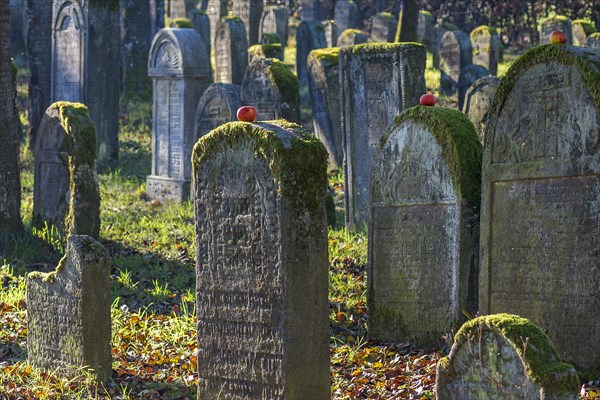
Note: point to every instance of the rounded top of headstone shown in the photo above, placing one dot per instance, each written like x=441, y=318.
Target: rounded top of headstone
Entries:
x=587, y=25
x=178, y=52
x=486, y=80
x=285, y=80
x=459, y=36
x=483, y=30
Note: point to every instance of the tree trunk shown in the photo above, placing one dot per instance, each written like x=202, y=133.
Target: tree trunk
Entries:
x=410, y=20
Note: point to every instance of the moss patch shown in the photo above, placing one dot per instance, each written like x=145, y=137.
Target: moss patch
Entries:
x=233, y=19
x=49, y=277
x=270, y=38
x=329, y=55
x=588, y=26
x=181, y=23
x=449, y=26
x=371, y=48
x=387, y=15
x=286, y=81
x=349, y=32
x=483, y=30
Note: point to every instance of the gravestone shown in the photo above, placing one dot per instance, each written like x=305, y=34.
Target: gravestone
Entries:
x=271, y=88
x=324, y=83
x=250, y=11
x=351, y=37
x=201, y=23
x=68, y=312
x=18, y=28
x=310, y=35
x=275, y=20
x=215, y=9
x=424, y=229
x=137, y=38
x=558, y=22
x=455, y=54
x=312, y=10
x=581, y=29
x=347, y=15
x=425, y=29
x=331, y=32
x=261, y=263
x=218, y=105
x=231, y=51
x=439, y=31
x=468, y=76
x=383, y=28
x=478, y=100
x=265, y=51
x=540, y=191
x=180, y=8
x=486, y=48
x=504, y=356
x=378, y=81
x=65, y=188
x=157, y=16
x=180, y=70
x=593, y=41
x=86, y=65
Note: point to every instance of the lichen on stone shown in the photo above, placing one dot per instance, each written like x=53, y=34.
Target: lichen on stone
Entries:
x=270, y=38
x=285, y=80
x=587, y=25
x=181, y=23
x=367, y=48
x=349, y=32
x=387, y=15
x=483, y=30
x=329, y=55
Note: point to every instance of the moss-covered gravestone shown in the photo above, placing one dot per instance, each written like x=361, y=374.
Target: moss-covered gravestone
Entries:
x=68, y=312
x=581, y=29
x=541, y=199
x=455, y=54
x=218, y=105
x=478, y=100
x=250, y=11
x=593, y=41
x=424, y=230
x=310, y=35
x=558, y=22
x=486, y=47
x=231, y=51
x=65, y=188
x=383, y=27
x=257, y=51
x=180, y=71
x=261, y=263
x=468, y=76
x=274, y=20
x=351, y=37
x=504, y=356
x=346, y=15
x=272, y=89
x=378, y=81
x=331, y=32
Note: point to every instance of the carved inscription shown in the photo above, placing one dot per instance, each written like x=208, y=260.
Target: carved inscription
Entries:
x=215, y=113
x=161, y=127
x=175, y=130
x=223, y=60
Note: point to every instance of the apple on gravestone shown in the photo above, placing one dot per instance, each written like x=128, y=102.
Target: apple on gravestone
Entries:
x=246, y=114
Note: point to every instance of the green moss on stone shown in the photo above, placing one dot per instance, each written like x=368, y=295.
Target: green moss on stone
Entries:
x=449, y=26
x=587, y=25
x=286, y=81
x=270, y=38
x=75, y=120
x=181, y=23
x=329, y=55
x=483, y=30
x=595, y=35
x=426, y=13
x=460, y=145
x=387, y=15
x=274, y=50
x=349, y=32
x=233, y=19
x=49, y=277
x=371, y=48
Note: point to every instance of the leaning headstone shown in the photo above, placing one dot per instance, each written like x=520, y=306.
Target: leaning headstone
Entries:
x=215, y=9
x=312, y=10
x=468, y=76
x=180, y=70
x=86, y=67
x=424, y=229
x=486, y=48
x=347, y=15
x=261, y=239
x=201, y=23
x=250, y=11
x=478, y=100
x=581, y=29
x=593, y=41
x=218, y=105
x=540, y=190
x=378, y=81
x=265, y=51
x=68, y=312
x=331, y=32
x=324, y=83
x=504, y=356
x=455, y=54
x=439, y=31
x=351, y=37
x=309, y=36
x=271, y=88
x=275, y=20
x=383, y=27
x=558, y=22
x=65, y=189
x=231, y=51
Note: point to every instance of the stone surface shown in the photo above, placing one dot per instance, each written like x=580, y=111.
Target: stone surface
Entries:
x=346, y=15
x=180, y=70
x=68, y=312
x=180, y=8
x=309, y=36
x=312, y=10
x=275, y=20
x=581, y=29
x=261, y=263
x=540, y=191
x=65, y=189
x=424, y=230
x=378, y=81
x=486, y=48
x=455, y=54
x=351, y=37
x=157, y=16
x=478, y=100
x=383, y=28
x=231, y=51
x=558, y=22
x=218, y=105
x=201, y=23
x=331, y=32
x=18, y=31
x=593, y=41
x=504, y=357
x=250, y=11
x=468, y=76
x=438, y=31
x=425, y=29
x=265, y=51
x=137, y=38
x=215, y=9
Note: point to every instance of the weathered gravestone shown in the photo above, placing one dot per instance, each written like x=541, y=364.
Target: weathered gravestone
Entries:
x=265, y=51
x=180, y=70
x=275, y=20
x=261, y=263
x=201, y=23
x=558, y=22
x=218, y=105
x=272, y=89
x=383, y=27
x=68, y=312
x=180, y=8
x=486, y=48
x=157, y=16
x=312, y=10
x=231, y=51
x=455, y=54
x=324, y=83
x=309, y=36
x=468, y=76
x=215, y=9
x=346, y=15
x=331, y=32
x=378, y=81
x=581, y=29
x=425, y=29
x=424, y=229
x=593, y=41
x=351, y=37
x=250, y=11
x=65, y=188
x=504, y=356
x=478, y=100
x=86, y=65
x=540, y=193
x=438, y=32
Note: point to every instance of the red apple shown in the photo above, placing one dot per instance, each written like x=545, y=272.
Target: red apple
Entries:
x=246, y=114
x=558, y=37
x=428, y=99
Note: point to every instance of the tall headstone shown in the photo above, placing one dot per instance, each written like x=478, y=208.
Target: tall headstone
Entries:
x=324, y=83
x=383, y=27
x=455, y=54
x=275, y=20
x=424, y=229
x=309, y=36
x=504, y=356
x=468, y=76
x=231, y=51
x=347, y=15
x=265, y=51
x=331, y=32
x=593, y=41
x=180, y=8
x=312, y=10
x=478, y=100
x=261, y=263
x=180, y=70
x=68, y=312
x=378, y=81
x=86, y=65
x=486, y=48
x=439, y=31
x=201, y=23
x=425, y=29
x=65, y=188
x=581, y=29
x=250, y=11
x=272, y=89
x=558, y=22
x=215, y=9
x=540, y=193
x=218, y=105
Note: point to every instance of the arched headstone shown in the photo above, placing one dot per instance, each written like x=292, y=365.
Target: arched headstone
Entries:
x=218, y=105
x=275, y=20
x=383, y=27
x=557, y=22
x=455, y=54
x=478, y=100
x=486, y=48
x=231, y=51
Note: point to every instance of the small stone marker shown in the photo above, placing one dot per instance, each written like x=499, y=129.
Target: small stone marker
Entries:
x=581, y=29
x=265, y=51
x=261, y=239
x=250, y=11
x=218, y=105
x=504, y=356
x=275, y=20
x=439, y=31
x=478, y=100
x=231, y=51
x=65, y=189
x=383, y=28
x=271, y=88
x=558, y=22
x=331, y=32
x=455, y=54
x=309, y=36
x=68, y=312
x=378, y=81
x=347, y=15
x=180, y=71
x=468, y=76
x=540, y=191
x=424, y=230
x=351, y=37
x=593, y=41
x=486, y=48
